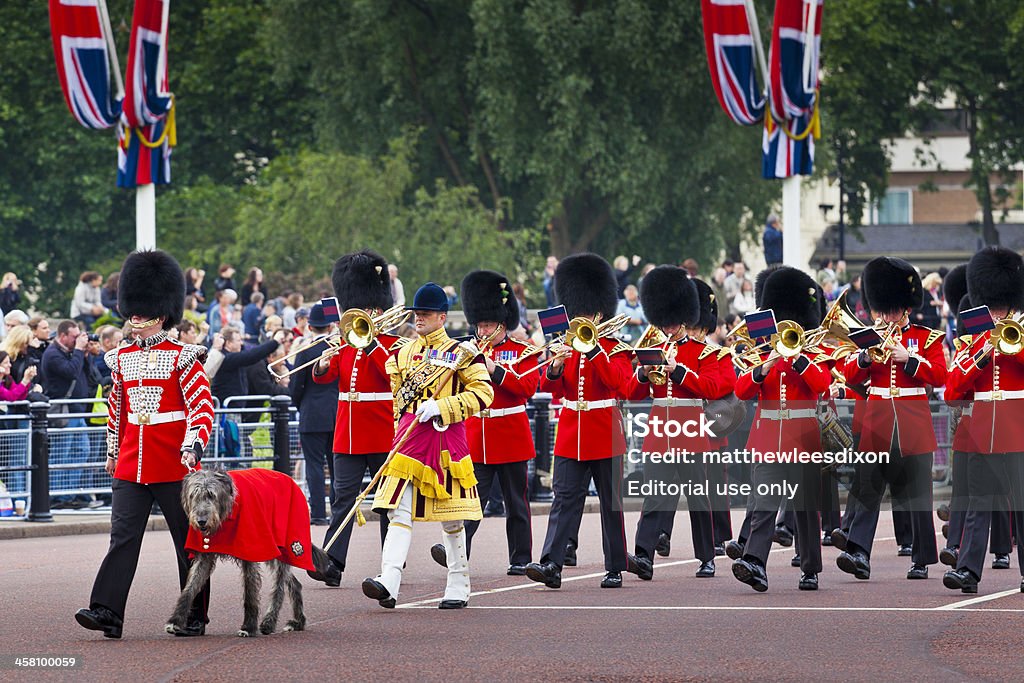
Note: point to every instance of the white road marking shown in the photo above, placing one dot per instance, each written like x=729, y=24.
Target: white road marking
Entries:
x=725, y=608
x=983, y=598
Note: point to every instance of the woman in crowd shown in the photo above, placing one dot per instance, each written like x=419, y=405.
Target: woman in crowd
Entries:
x=16, y=345
x=253, y=283
x=87, y=303
x=108, y=295
x=9, y=389
x=194, y=286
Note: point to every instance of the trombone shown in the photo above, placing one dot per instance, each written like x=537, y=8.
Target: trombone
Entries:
x=583, y=334
x=1007, y=338
x=333, y=341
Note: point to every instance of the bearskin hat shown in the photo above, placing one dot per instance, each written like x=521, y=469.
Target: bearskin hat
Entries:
x=793, y=295
x=995, y=278
x=891, y=284
x=586, y=285
x=669, y=297
x=361, y=280
x=760, y=279
x=487, y=297
x=954, y=285
x=151, y=285
x=708, y=306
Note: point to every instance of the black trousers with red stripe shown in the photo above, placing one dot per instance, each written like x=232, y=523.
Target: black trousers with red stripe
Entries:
x=569, y=485
x=512, y=478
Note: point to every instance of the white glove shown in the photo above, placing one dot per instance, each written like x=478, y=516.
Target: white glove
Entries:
x=470, y=348
x=428, y=410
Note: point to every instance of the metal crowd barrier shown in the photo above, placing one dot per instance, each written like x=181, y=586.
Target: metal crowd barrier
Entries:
x=39, y=460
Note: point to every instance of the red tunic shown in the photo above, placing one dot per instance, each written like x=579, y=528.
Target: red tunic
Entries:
x=595, y=432
x=697, y=378
x=160, y=404
x=907, y=411
x=727, y=378
x=500, y=439
x=997, y=390
x=269, y=521
x=796, y=430
x=365, y=423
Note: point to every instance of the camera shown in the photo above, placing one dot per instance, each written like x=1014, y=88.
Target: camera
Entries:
x=94, y=337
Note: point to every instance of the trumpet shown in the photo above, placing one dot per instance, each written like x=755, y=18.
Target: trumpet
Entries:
x=890, y=333
x=359, y=327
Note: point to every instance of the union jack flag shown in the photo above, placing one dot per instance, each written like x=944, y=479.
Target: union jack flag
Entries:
x=83, y=62
x=731, y=58
x=787, y=143
x=148, y=107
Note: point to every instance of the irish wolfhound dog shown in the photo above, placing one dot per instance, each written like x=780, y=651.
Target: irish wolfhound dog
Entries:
x=239, y=515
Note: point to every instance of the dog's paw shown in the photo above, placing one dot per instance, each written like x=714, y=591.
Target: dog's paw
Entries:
x=294, y=625
x=267, y=627
x=171, y=628
x=243, y=633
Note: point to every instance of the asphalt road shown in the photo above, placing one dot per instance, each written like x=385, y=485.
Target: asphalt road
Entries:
x=675, y=628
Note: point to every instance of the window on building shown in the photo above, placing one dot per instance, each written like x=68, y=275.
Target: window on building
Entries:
x=893, y=208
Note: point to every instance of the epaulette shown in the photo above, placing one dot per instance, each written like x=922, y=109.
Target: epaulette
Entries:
x=619, y=348
x=724, y=351
x=962, y=342
x=709, y=348
x=190, y=353
x=110, y=358
x=528, y=350
x=400, y=343
x=933, y=336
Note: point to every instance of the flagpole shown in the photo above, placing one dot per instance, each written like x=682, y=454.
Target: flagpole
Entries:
x=791, y=239
x=755, y=34
x=145, y=195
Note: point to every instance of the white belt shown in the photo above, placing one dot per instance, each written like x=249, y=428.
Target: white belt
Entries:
x=885, y=392
x=997, y=395
x=581, y=406
x=788, y=414
x=356, y=396
x=155, y=418
x=501, y=412
x=685, y=402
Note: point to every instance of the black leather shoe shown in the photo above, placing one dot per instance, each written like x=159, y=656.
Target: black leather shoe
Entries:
x=612, y=580
x=375, y=590
x=783, y=536
x=961, y=579
x=856, y=563
x=547, y=573
x=494, y=510
x=706, y=570
x=734, y=549
x=664, y=545
x=808, y=582
x=720, y=550
x=795, y=562
x=943, y=512
x=516, y=570
x=570, y=555
x=1001, y=562
x=949, y=556
x=641, y=566
x=840, y=538
x=193, y=628
x=1022, y=585
x=330, y=575
x=826, y=539
x=905, y=551
x=751, y=574
x=945, y=531
x=917, y=571
x=452, y=604
x=100, y=619
x=438, y=554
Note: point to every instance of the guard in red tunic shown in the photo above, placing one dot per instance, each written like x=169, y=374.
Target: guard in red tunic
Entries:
x=678, y=390
x=160, y=419
x=500, y=438
x=364, y=428
x=993, y=369
x=897, y=419
x=785, y=425
x=589, y=441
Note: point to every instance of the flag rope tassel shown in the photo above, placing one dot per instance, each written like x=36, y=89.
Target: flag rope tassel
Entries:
x=813, y=126
x=170, y=131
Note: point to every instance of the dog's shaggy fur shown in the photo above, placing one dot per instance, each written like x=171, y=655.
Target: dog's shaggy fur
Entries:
x=208, y=498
